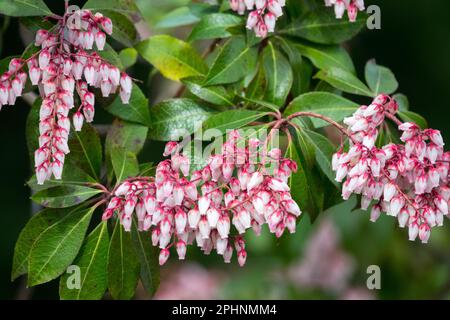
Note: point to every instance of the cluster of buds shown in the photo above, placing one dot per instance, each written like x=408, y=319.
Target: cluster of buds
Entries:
x=352, y=7
x=61, y=67
x=263, y=14
x=407, y=180
x=232, y=190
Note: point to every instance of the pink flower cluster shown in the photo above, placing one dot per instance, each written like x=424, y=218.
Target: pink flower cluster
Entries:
x=408, y=181
x=263, y=15
x=352, y=7
x=59, y=68
x=231, y=190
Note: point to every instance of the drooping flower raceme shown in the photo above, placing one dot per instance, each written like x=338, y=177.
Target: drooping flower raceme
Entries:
x=408, y=181
x=352, y=7
x=262, y=16
x=230, y=191
x=66, y=63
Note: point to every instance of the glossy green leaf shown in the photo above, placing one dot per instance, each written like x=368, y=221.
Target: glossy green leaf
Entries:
x=148, y=257
x=175, y=59
x=127, y=7
x=321, y=26
x=23, y=8
x=186, y=15
x=324, y=151
x=324, y=103
x=86, y=150
x=123, y=28
x=409, y=116
x=64, y=196
x=402, y=100
x=305, y=184
x=35, y=23
x=232, y=119
x=92, y=261
x=214, y=26
x=175, y=118
x=128, y=56
x=124, y=163
x=129, y=136
x=380, y=79
x=137, y=110
x=217, y=95
x=279, y=75
x=123, y=265
x=325, y=57
x=57, y=247
x=345, y=81
x=231, y=62
x=36, y=226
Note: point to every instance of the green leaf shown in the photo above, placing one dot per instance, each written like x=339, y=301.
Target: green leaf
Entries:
x=23, y=8
x=325, y=57
x=345, y=81
x=409, y=116
x=231, y=62
x=324, y=151
x=64, y=196
x=185, y=15
x=279, y=75
x=305, y=184
x=86, y=150
x=123, y=265
x=321, y=26
x=175, y=118
x=148, y=257
x=123, y=30
x=32, y=128
x=380, y=79
x=147, y=169
x=92, y=261
x=127, y=7
x=232, y=119
x=36, y=226
x=57, y=247
x=402, y=100
x=324, y=103
x=217, y=95
x=137, y=110
x=214, y=26
x=128, y=56
x=35, y=23
x=127, y=135
x=175, y=59
x=124, y=163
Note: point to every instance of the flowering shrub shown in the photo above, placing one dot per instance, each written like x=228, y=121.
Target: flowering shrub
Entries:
x=170, y=202
x=261, y=129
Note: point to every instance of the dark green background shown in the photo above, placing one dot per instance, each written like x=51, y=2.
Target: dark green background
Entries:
x=414, y=42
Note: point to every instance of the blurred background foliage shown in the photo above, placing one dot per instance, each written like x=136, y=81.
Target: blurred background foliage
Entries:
x=328, y=259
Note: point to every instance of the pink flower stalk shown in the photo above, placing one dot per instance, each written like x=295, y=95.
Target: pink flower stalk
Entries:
x=60, y=68
x=263, y=14
x=209, y=206
x=352, y=7
x=407, y=180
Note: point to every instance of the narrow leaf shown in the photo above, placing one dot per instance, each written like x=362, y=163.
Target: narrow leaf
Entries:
x=64, y=196
x=57, y=247
x=175, y=59
x=92, y=261
x=123, y=265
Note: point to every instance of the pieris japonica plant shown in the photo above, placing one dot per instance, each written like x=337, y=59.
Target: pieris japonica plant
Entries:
x=261, y=132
